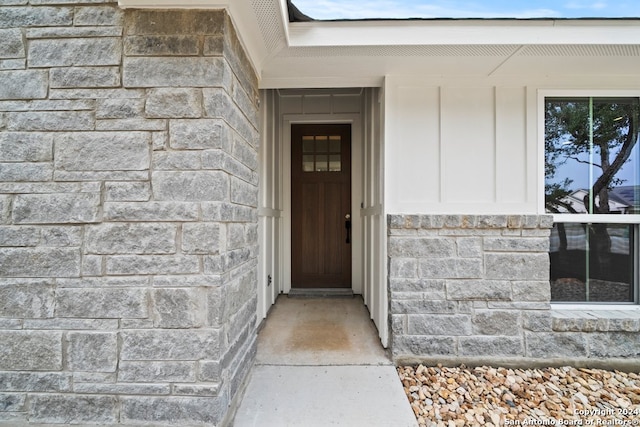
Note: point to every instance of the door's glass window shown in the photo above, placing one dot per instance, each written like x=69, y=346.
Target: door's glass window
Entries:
x=322, y=153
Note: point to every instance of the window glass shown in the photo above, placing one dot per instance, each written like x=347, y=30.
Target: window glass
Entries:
x=592, y=262
x=592, y=163
x=592, y=166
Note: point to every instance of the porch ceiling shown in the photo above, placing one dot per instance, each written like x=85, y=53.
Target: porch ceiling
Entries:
x=361, y=53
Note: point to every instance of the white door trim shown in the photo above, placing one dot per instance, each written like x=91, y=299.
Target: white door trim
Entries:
x=356, y=190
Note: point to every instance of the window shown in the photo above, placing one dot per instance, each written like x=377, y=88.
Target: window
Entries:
x=592, y=186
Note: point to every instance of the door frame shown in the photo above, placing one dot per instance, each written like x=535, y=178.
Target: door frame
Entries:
x=356, y=190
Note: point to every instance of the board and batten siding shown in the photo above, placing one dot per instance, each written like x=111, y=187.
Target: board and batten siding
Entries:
x=459, y=149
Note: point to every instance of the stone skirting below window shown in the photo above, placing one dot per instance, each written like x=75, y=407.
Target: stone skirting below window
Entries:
x=475, y=289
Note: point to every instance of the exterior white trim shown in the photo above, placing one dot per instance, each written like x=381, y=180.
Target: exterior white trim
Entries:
x=463, y=32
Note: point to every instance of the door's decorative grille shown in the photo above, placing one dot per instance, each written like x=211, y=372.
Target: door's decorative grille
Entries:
x=321, y=153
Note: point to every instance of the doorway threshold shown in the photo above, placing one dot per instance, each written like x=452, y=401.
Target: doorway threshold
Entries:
x=320, y=293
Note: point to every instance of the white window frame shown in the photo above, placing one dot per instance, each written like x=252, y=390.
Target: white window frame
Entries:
x=586, y=218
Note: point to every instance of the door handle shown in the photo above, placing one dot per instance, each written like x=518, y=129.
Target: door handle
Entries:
x=347, y=225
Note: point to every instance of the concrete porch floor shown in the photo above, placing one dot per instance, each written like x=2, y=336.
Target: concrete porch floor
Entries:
x=320, y=363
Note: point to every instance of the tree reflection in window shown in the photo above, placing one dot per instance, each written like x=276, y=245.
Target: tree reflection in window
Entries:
x=592, y=166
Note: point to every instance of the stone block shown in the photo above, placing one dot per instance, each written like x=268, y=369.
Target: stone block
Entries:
x=481, y=290
x=202, y=238
x=422, y=306
x=172, y=345
x=133, y=389
x=200, y=280
x=24, y=298
x=30, y=351
x=139, y=72
x=491, y=346
x=69, y=52
x=5, y=208
x=438, y=324
x=56, y=208
x=26, y=147
x=196, y=389
x=98, y=15
x=92, y=265
x=119, y=108
x=417, y=285
x=148, y=371
x=23, y=84
x=556, y=345
x=190, y=186
x=177, y=160
x=26, y=172
x=16, y=17
x=39, y=262
x=243, y=193
x=175, y=22
x=509, y=244
x=11, y=43
x=425, y=346
x=106, y=239
x=127, y=191
x=218, y=104
x=35, y=381
x=134, y=124
x=517, y=266
x=104, y=282
x=410, y=247
x=614, y=344
x=178, y=308
x=450, y=268
x=19, y=236
x=101, y=303
x=497, y=322
x=469, y=247
x=50, y=121
x=492, y=221
x=103, y=151
x=209, y=370
x=73, y=409
x=76, y=77
x=536, y=321
x=92, y=351
x=198, y=134
x=171, y=410
x=159, y=45
x=71, y=324
x=152, y=264
x=532, y=291
x=403, y=268
x=13, y=402
x=174, y=103
x=151, y=211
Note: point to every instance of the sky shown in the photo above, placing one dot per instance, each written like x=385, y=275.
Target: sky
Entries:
x=402, y=9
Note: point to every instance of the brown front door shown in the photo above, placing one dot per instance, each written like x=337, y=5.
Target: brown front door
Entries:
x=321, y=206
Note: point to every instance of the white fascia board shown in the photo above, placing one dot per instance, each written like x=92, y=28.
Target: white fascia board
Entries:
x=463, y=32
x=174, y=4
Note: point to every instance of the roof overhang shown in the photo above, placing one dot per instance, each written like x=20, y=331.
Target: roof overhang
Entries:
x=361, y=53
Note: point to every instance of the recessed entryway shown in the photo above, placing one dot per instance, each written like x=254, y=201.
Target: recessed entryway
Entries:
x=320, y=362
x=320, y=331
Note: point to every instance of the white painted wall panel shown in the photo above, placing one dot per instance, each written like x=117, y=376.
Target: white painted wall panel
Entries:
x=460, y=147
x=468, y=145
x=511, y=145
x=413, y=146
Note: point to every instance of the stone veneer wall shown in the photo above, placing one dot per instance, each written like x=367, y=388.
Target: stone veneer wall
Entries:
x=475, y=289
x=128, y=223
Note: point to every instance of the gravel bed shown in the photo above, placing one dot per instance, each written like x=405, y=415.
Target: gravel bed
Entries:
x=487, y=396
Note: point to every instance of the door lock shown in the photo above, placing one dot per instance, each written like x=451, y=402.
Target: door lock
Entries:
x=347, y=225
